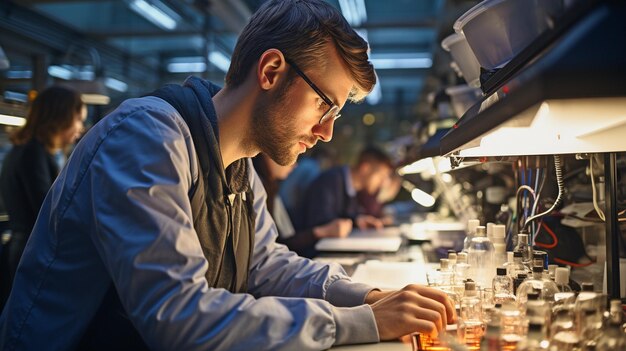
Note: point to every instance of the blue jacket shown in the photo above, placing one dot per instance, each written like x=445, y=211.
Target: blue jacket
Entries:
x=329, y=197
x=119, y=213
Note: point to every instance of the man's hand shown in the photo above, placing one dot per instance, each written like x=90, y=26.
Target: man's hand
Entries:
x=337, y=228
x=415, y=308
x=367, y=221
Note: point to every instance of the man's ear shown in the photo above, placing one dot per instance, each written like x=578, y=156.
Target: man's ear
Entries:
x=271, y=67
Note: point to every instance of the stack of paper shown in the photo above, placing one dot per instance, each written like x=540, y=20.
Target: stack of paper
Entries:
x=391, y=275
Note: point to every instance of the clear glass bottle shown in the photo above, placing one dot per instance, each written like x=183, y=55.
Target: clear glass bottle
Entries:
x=537, y=309
x=480, y=258
x=536, y=339
x=545, y=287
x=517, y=281
x=491, y=341
x=526, y=250
x=552, y=270
x=563, y=326
x=470, y=324
x=511, y=327
x=540, y=258
x=452, y=258
x=509, y=264
x=472, y=224
x=517, y=267
x=446, y=275
x=613, y=337
x=590, y=307
x=461, y=268
x=502, y=287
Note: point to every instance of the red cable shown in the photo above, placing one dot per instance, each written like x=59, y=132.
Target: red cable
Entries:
x=573, y=264
x=555, y=240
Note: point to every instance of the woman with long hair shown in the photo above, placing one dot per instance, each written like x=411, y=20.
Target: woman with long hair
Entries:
x=54, y=121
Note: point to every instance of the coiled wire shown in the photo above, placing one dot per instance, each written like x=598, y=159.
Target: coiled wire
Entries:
x=559, y=182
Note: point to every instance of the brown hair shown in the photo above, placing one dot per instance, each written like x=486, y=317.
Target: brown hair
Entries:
x=372, y=154
x=53, y=111
x=300, y=29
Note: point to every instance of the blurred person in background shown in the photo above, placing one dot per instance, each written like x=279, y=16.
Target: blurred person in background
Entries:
x=334, y=193
x=54, y=122
x=271, y=174
x=309, y=167
x=373, y=203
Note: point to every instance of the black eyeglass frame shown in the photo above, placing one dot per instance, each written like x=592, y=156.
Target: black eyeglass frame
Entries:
x=333, y=107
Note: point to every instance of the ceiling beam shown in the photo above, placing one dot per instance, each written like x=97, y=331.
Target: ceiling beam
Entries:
x=22, y=22
x=123, y=33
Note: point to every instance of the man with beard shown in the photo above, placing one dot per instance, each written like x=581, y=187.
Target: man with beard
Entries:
x=156, y=234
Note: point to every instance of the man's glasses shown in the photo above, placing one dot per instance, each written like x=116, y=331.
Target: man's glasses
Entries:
x=333, y=111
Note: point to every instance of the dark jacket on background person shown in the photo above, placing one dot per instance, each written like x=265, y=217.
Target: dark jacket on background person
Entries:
x=300, y=241
x=28, y=172
x=329, y=197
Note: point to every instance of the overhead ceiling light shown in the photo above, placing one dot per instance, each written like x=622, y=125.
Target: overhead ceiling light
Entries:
x=60, y=72
x=219, y=60
x=155, y=14
x=12, y=120
x=22, y=74
x=560, y=126
x=115, y=84
x=15, y=96
x=402, y=63
x=186, y=67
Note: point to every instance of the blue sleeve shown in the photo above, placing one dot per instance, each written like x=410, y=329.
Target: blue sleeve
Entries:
x=141, y=178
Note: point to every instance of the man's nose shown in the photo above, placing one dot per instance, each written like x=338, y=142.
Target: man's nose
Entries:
x=324, y=131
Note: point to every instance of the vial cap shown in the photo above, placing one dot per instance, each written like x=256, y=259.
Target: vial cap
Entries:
x=445, y=263
x=470, y=285
x=472, y=224
x=452, y=255
x=517, y=254
x=532, y=296
x=561, y=275
x=499, y=231
x=501, y=271
x=537, y=269
x=587, y=286
x=552, y=268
